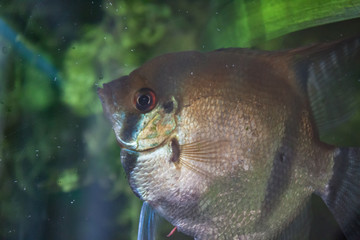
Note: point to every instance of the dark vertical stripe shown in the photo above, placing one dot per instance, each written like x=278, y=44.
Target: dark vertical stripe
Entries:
x=302, y=72
x=129, y=127
x=280, y=175
x=279, y=178
x=341, y=165
x=128, y=160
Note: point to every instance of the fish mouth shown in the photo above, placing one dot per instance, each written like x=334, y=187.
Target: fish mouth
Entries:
x=133, y=146
x=127, y=145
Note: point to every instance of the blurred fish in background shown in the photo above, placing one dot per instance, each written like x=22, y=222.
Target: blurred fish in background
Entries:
x=60, y=174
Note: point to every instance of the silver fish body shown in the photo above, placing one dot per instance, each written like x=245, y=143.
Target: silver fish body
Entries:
x=225, y=144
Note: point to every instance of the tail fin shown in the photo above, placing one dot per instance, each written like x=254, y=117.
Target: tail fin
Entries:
x=343, y=195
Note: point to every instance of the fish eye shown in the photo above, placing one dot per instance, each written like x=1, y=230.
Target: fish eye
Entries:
x=145, y=100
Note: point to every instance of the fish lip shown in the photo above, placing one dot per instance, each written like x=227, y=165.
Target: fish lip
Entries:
x=132, y=146
x=151, y=149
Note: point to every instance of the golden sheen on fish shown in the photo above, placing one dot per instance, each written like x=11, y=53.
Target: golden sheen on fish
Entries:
x=225, y=144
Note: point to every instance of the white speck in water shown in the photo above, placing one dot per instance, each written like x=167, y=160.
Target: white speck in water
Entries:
x=191, y=73
x=24, y=188
x=72, y=202
x=15, y=181
x=104, y=37
x=132, y=50
x=125, y=28
x=203, y=46
x=29, y=216
x=55, y=79
x=218, y=29
x=58, y=147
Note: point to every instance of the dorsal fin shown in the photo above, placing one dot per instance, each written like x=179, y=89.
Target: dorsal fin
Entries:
x=330, y=76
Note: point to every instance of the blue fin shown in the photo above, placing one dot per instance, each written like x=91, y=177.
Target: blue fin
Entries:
x=148, y=223
x=343, y=192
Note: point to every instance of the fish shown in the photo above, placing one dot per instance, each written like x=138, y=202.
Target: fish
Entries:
x=228, y=144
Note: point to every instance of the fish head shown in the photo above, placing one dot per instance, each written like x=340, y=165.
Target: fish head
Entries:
x=142, y=119
x=143, y=108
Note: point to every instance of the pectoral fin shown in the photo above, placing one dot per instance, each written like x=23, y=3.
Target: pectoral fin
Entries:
x=329, y=74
